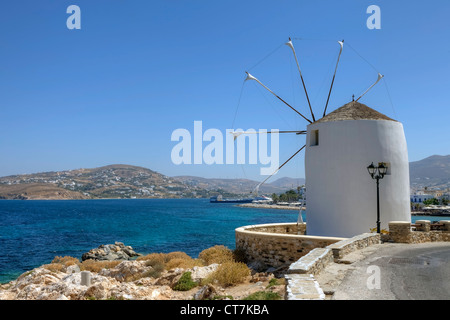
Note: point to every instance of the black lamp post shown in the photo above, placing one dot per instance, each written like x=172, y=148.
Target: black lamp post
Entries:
x=377, y=173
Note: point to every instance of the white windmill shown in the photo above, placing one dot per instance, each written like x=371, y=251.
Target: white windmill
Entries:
x=339, y=147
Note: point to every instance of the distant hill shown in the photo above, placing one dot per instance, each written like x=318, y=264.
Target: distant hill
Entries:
x=431, y=171
x=287, y=183
x=113, y=181
x=126, y=181
x=240, y=186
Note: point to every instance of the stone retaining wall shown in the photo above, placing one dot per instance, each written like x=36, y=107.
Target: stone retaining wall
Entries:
x=342, y=248
x=402, y=232
x=283, y=228
x=316, y=260
x=271, y=246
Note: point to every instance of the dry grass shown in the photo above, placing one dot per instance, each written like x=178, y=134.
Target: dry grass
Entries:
x=66, y=260
x=54, y=267
x=177, y=255
x=183, y=263
x=97, y=266
x=230, y=273
x=170, y=260
x=59, y=264
x=217, y=254
x=161, y=257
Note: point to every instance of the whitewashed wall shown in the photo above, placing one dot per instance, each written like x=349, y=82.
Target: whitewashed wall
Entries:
x=341, y=195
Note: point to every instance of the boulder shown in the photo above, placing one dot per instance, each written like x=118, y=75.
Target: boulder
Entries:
x=199, y=273
x=170, y=277
x=205, y=293
x=110, y=252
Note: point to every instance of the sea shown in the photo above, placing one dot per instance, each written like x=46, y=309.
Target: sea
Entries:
x=33, y=232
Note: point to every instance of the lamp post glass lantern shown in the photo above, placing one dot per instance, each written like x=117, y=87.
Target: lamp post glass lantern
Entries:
x=377, y=173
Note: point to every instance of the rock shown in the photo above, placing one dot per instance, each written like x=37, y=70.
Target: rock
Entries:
x=170, y=278
x=199, y=273
x=261, y=277
x=258, y=266
x=110, y=252
x=205, y=292
x=73, y=269
x=126, y=271
x=97, y=291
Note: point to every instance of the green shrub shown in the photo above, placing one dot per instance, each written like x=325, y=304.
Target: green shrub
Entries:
x=185, y=283
x=276, y=282
x=263, y=295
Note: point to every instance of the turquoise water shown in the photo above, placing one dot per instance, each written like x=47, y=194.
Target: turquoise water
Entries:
x=32, y=233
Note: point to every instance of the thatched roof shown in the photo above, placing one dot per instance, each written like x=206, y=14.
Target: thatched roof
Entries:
x=354, y=111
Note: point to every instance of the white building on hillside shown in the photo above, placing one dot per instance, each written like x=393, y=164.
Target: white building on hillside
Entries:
x=420, y=198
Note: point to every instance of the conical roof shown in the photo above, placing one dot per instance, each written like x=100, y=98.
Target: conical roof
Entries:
x=354, y=111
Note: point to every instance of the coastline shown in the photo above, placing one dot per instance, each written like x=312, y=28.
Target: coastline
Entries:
x=269, y=206
x=291, y=207
x=432, y=214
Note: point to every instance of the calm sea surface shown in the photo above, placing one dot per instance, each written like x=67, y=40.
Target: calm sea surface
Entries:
x=32, y=233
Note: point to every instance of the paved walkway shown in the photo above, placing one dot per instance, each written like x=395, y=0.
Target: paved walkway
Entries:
x=390, y=272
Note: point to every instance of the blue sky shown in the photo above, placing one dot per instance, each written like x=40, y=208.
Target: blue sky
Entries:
x=114, y=91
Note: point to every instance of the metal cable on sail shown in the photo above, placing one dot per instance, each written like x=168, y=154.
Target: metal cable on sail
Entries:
x=238, y=103
x=380, y=76
x=257, y=187
x=250, y=77
x=289, y=44
x=341, y=43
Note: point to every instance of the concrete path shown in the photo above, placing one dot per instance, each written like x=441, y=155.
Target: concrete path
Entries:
x=391, y=272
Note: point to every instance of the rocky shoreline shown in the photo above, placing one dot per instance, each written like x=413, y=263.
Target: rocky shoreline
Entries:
x=114, y=273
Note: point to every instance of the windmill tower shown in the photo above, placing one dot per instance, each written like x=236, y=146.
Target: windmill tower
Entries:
x=339, y=147
x=341, y=193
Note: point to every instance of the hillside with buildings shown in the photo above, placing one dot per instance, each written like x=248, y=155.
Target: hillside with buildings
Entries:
x=113, y=181
x=241, y=186
x=430, y=185
x=431, y=172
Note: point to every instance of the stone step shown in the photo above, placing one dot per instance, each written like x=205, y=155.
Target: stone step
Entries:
x=303, y=287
